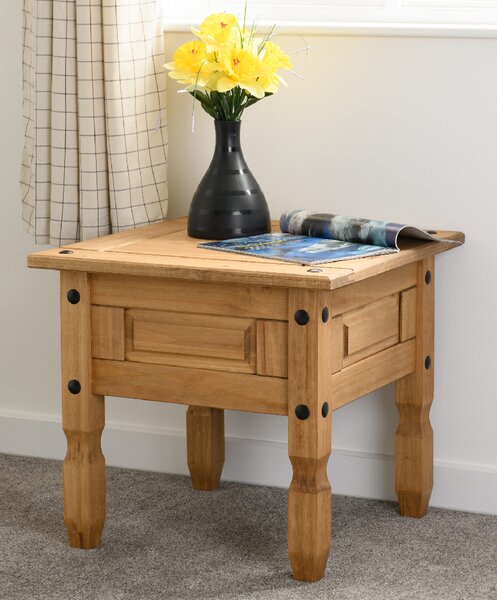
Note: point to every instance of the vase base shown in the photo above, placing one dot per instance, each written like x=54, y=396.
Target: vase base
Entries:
x=225, y=234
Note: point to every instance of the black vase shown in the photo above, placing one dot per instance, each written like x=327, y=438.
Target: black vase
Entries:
x=228, y=202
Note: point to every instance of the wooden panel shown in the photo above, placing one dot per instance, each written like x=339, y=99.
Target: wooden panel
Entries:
x=414, y=396
x=107, y=332
x=309, y=438
x=190, y=340
x=170, y=253
x=407, y=314
x=191, y=297
x=371, y=328
x=364, y=292
x=234, y=391
x=370, y=350
x=411, y=251
x=83, y=420
x=119, y=241
x=272, y=348
x=372, y=373
x=263, y=272
x=337, y=344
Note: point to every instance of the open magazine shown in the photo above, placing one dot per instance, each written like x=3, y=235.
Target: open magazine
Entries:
x=310, y=238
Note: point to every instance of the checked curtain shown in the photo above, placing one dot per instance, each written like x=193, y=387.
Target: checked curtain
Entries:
x=95, y=152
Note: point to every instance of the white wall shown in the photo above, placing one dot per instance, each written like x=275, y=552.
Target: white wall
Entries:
x=395, y=128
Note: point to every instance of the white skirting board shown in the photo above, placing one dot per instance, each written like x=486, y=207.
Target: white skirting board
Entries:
x=458, y=486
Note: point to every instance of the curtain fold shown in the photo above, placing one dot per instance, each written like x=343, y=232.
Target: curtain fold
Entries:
x=95, y=153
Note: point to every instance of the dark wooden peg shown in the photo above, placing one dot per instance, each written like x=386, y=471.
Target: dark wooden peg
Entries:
x=302, y=317
x=74, y=386
x=73, y=296
x=427, y=362
x=65, y=252
x=302, y=412
x=428, y=277
x=325, y=314
x=325, y=409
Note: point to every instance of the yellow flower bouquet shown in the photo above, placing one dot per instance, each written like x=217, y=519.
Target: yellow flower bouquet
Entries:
x=228, y=67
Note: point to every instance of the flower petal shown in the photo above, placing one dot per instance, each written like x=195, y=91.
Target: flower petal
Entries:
x=253, y=88
x=225, y=84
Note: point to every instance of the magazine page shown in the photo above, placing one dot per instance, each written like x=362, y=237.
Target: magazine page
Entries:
x=348, y=229
x=299, y=249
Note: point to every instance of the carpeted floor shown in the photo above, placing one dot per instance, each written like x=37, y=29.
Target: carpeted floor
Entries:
x=163, y=541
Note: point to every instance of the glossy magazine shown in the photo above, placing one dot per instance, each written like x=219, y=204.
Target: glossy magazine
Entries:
x=309, y=238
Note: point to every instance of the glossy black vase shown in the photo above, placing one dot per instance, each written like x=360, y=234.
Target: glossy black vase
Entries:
x=228, y=202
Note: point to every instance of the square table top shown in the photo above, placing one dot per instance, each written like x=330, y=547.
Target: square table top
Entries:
x=165, y=250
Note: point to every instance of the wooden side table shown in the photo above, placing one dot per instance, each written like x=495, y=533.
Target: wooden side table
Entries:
x=146, y=314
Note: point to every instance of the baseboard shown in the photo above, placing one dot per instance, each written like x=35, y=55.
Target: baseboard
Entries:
x=458, y=486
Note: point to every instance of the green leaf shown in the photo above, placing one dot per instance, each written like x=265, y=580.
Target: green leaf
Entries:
x=219, y=99
x=253, y=100
x=239, y=96
x=210, y=110
x=226, y=106
x=201, y=97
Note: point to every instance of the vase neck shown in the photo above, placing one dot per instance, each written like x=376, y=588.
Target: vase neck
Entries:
x=227, y=136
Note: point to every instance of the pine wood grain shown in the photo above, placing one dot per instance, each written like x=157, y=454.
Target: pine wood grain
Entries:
x=199, y=387
x=272, y=348
x=165, y=250
x=119, y=241
x=371, y=324
x=224, y=299
x=205, y=446
x=337, y=344
x=351, y=297
x=408, y=300
x=267, y=273
x=373, y=372
x=83, y=420
x=309, y=440
x=191, y=340
x=372, y=350
x=107, y=332
x=414, y=396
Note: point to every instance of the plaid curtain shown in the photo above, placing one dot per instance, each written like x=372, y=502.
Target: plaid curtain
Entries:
x=95, y=152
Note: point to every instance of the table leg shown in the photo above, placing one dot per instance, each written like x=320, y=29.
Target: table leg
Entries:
x=309, y=432
x=414, y=395
x=83, y=418
x=205, y=446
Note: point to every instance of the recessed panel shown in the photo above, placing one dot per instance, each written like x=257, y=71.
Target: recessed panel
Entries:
x=190, y=340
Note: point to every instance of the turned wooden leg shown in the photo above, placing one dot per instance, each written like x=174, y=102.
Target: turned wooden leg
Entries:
x=414, y=395
x=309, y=432
x=83, y=418
x=205, y=446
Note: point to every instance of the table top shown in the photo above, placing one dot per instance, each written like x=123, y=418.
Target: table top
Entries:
x=165, y=250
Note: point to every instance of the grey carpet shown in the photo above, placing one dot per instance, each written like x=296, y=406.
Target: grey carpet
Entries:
x=163, y=540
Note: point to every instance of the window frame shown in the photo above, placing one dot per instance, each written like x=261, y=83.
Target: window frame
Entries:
x=448, y=18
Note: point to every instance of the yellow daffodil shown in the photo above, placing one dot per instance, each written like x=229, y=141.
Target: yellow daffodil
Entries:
x=241, y=68
x=275, y=54
x=217, y=30
x=228, y=67
x=272, y=59
x=191, y=64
